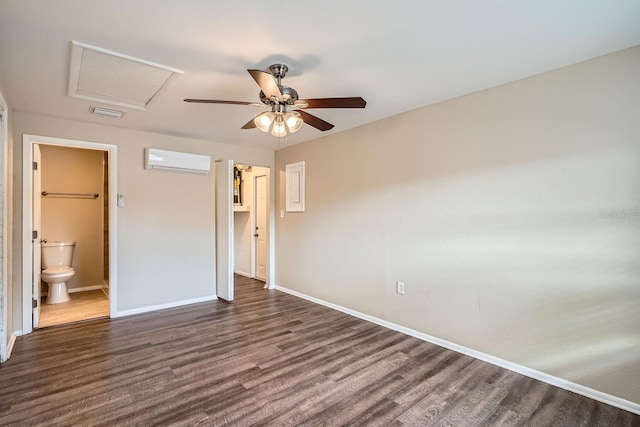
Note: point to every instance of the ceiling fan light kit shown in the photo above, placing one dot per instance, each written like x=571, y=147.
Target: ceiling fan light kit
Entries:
x=294, y=121
x=273, y=94
x=278, y=129
x=279, y=121
x=263, y=121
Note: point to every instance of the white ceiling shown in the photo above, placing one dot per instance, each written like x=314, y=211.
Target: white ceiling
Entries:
x=397, y=55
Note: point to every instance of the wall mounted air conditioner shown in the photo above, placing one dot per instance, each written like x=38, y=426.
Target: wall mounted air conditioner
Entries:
x=175, y=161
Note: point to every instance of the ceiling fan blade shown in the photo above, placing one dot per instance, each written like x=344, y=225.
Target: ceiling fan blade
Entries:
x=314, y=121
x=216, y=101
x=267, y=83
x=250, y=124
x=351, y=102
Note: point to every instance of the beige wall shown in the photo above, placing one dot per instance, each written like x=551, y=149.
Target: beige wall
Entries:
x=68, y=219
x=512, y=215
x=166, y=231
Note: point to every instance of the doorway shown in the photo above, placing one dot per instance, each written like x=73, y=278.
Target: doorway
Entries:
x=72, y=209
x=4, y=235
x=251, y=221
x=58, y=207
x=234, y=218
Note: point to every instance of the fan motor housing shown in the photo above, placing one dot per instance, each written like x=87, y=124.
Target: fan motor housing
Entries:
x=289, y=95
x=278, y=70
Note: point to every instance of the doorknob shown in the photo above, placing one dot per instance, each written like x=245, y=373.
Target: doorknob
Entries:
x=255, y=235
x=43, y=241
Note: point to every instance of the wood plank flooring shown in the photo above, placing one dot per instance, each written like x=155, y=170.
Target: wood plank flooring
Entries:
x=266, y=359
x=82, y=306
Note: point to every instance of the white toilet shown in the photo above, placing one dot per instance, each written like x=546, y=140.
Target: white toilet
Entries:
x=57, y=270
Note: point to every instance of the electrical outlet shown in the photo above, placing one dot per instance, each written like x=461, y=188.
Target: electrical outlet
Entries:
x=400, y=288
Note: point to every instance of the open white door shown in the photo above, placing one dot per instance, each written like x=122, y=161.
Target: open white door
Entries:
x=224, y=229
x=37, y=185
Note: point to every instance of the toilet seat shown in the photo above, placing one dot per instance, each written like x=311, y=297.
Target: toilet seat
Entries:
x=58, y=271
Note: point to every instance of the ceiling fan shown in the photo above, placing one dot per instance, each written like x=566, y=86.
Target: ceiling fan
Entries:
x=286, y=109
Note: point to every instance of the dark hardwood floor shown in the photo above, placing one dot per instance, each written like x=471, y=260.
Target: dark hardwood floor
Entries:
x=268, y=358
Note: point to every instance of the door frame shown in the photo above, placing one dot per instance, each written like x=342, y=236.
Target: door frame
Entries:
x=254, y=225
x=5, y=204
x=270, y=210
x=27, y=218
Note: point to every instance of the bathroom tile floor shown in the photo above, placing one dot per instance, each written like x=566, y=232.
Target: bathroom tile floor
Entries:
x=82, y=306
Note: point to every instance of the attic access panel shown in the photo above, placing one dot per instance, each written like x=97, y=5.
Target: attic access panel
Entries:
x=100, y=75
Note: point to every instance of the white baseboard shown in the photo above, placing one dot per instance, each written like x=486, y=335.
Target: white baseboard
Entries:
x=532, y=373
x=164, y=306
x=12, y=341
x=85, y=288
x=74, y=290
x=242, y=273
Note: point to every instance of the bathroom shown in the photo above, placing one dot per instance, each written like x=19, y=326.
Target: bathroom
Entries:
x=73, y=209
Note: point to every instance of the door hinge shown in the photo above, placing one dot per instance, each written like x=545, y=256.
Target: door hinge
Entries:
x=34, y=303
x=35, y=166
x=34, y=234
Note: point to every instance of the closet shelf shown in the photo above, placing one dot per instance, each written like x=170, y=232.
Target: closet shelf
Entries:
x=243, y=208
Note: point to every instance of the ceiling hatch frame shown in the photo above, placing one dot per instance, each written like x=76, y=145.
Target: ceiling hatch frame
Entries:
x=101, y=75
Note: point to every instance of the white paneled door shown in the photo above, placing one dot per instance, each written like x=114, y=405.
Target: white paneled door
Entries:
x=261, y=226
x=37, y=187
x=224, y=229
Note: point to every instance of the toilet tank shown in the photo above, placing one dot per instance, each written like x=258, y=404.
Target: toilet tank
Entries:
x=57, y=253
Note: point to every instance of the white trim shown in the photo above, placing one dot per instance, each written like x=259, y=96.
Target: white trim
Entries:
x=242, y=273
x=4, y=200
x=165, y=306
x=27, y=158
x=532, y=373
x=105, y=288
x=271, y=266
x=12, y=341
x=253, y=219
x=266, y=211
x=75, y=290
x=85, y=289
x=75, y=60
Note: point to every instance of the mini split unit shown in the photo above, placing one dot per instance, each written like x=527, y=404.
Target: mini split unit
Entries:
x=175, y=161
